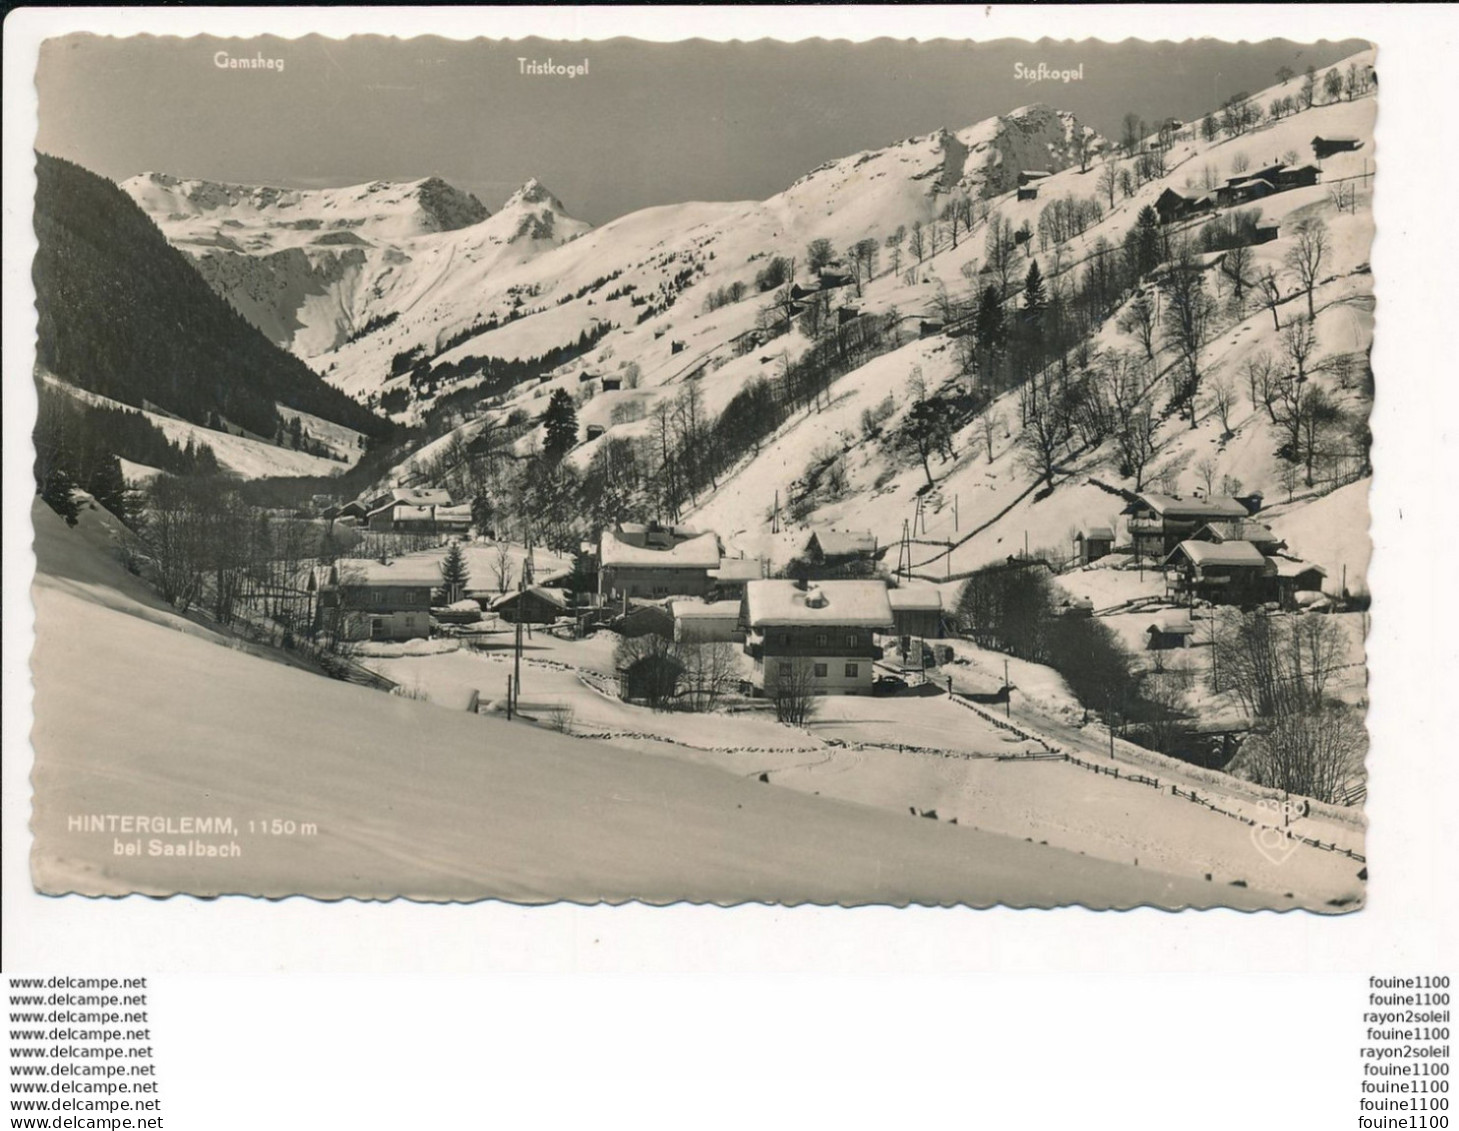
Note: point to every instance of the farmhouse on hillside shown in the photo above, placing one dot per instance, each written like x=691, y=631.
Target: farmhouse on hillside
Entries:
x=1226, y=573
x=1240, y=530
x=822, y=633
x=1171, y=206
x=656, y=560
x=836, y=553
x=1158, y=523
x=366, y=599
x=1327, y=146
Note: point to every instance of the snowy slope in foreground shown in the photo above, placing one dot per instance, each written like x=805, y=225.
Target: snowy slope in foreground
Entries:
x=410, y=798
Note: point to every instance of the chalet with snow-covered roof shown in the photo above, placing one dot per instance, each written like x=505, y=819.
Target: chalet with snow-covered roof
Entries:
x=1031, y=176
x=537, y=604
x=916, y=611
x=1158, y=523
x=1170, y=629
x=1240, y=530
x=1093, y=542
x=1225, y=573
x=822, y=633
x=707, y=622
x=612, y=384
x=836, y=553
x=1171, y=205
x=593, y=432
x=1028, y=192
x=1297, y=176
x=366, y=599
x=1243, y=190
x=656, y=560
x=1327, y=146
x=1294, y=577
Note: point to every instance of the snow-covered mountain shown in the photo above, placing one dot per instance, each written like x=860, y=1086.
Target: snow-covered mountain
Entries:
x=313, y=267
x=350, y=279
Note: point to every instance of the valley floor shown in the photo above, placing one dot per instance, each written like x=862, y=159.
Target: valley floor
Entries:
x=141, y=713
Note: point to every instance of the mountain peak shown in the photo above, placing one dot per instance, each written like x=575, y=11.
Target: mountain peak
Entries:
x=449, y=208
x=534, y=192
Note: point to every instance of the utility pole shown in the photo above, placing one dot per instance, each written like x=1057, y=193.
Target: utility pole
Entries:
x=954, y=514
x=517, y=662
x=509, y=698
x=1007, y=692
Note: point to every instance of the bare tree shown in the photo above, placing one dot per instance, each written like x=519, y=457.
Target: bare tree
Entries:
x=1139, y=321
x=1312, y=754
x=1223, y=398
x=1001, y=250
x=917, y=240
x=1259, y=385
x=502, y=568
x=710, y=672
x=1269, y=287
x=794, y=694
x=1188, y=320
x=1236, y=267
x=1206, y=469
x=988, y=423
x=1299, y=342
x=1306, y=255
x=1045, y=427
x=1108, y=180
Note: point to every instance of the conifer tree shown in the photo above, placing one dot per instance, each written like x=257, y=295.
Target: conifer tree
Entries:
x=561, y=424
x=454, y=574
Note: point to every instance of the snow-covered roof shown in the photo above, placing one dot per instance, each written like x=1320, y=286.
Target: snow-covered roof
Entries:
x=701, y=552
x=919, y=597
x=738, y=569
x=1291, y=567
x=1239, y=530
x=404, y=512
x=412, y=572
x=1222, y=554
x=1217, y=506
x=858, y=604
x=1102, y=533
x=1174, y=622
x=421, y=496
x=845, y=543
x=552, y=596
x=705, y=610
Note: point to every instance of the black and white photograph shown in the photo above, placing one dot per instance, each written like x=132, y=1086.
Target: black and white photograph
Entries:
x=837, y=473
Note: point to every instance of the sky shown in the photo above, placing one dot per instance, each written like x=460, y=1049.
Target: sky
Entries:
x=648, y=124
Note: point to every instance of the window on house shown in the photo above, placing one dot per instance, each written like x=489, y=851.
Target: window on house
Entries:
x=853, y=670
x=785, y=638
x=821, y=639
x=820, y=671
x=852, y=640
x=784, y=670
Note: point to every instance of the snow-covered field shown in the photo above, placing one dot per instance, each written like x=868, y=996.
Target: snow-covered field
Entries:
x=923, y=752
